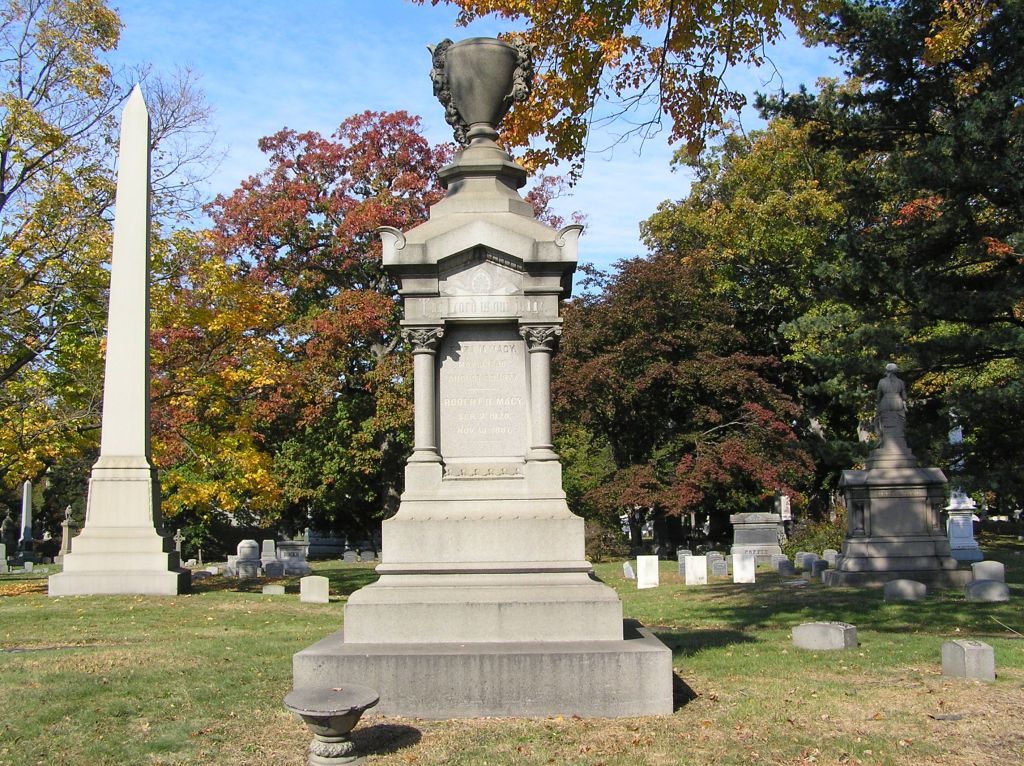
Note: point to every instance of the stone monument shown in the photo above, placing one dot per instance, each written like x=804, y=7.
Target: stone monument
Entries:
x=26, y=545
x=893, y=509
x=960, y=528
x=486, y=605
x=65, y=536
x=120, y=548
x=756, y=534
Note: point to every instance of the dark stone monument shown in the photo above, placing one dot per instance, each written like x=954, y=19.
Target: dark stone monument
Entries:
x=894, y=528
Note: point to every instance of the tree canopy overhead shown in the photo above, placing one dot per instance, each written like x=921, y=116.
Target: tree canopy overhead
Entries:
x=644, y=61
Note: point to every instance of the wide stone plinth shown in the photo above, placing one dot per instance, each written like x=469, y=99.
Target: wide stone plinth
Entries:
x=111, y=557
x=757, y=535
x=627, y=677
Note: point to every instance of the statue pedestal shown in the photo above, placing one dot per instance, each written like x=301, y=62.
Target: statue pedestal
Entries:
x=960, y=532
x=894, y=529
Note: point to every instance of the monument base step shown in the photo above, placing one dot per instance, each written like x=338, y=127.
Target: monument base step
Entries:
x=935, y=578
x=127, y=582
x=607, y=679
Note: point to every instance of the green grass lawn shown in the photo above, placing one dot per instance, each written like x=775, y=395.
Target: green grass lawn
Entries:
x=199, y=680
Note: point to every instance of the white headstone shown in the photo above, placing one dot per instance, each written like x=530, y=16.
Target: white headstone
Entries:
x=646, y=571
x=743, y=568
x=314, y=589
x=988, y=570
x=627, y=571
x=697, y=570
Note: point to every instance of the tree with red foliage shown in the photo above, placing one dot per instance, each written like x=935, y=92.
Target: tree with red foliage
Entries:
x=654, y=366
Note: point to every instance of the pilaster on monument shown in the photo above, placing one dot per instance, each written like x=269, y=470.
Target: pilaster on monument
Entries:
x=121, y=548
x=486, y=604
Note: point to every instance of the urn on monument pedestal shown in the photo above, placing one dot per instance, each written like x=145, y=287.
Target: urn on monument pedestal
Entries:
x=486, y=604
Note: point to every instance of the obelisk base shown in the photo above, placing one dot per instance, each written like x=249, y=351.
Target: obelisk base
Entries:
x=119, y=550
x=608, y=679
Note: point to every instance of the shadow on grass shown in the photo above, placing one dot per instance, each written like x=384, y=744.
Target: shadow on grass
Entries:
x=385, y=738
x=689, y=642
x=682, y=693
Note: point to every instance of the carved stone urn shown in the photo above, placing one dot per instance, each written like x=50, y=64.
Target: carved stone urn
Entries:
x=477, y=80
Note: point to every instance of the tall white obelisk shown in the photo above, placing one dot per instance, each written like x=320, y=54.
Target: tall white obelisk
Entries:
x=120, y=548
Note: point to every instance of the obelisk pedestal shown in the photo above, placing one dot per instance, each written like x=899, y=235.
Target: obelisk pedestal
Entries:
x=894, y=531
x=486, y=604
x=120, y=549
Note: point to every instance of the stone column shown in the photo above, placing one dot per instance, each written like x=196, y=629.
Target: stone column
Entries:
x=25, y=542
x=424, y=342
x=541, y=341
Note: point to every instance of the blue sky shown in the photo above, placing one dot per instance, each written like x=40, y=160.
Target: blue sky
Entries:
x=308, y=64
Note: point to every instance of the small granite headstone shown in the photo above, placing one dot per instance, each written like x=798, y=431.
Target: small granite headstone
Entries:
x=682, y=553
x=830, y=555
x=744, y=568
x=247, y=565
x=273, y=590
x=231, y=567
x=292, y=554
x=29, y=566
x=825, y=636
x=991, y=591
x=719, y=568
x=646, y=572
x=4, y=568
x=314, y=589
x=350, y=557
x=697, y=570
x=988, y=570
x=807, y=563
x=904, y=590
x=627, y=571
x=785, y=568
x=965, y=658
x=818, y=566
x=268, y=552
x=273, y=568
x=367, y=554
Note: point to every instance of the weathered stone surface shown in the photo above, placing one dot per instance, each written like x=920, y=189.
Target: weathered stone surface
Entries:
x=292, y=554
x=756, y=534
x=960, y=528
x=744, y=568
x=818, y=567
x=830, y=555
x=273, y=568
x=825, y=636
x=719, y=568
x=904, y=590
x=273, y=590
x=585, y=678
x=785, y=567
x=987, y=590
x=807, y=562
x=627, y=571
x=965, y=658
x=988, y=570
x=314, y=589
x=697, y=570
x=647, y=572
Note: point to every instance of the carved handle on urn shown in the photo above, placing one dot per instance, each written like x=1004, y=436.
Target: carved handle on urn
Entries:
x=424, y=340
x=439, y=77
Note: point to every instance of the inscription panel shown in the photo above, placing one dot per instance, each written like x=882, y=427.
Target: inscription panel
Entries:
x=482, y=404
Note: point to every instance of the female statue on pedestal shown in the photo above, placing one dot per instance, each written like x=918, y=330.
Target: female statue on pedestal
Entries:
x=892, y=405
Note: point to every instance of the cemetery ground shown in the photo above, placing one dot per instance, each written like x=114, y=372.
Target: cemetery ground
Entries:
x=199, y=679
